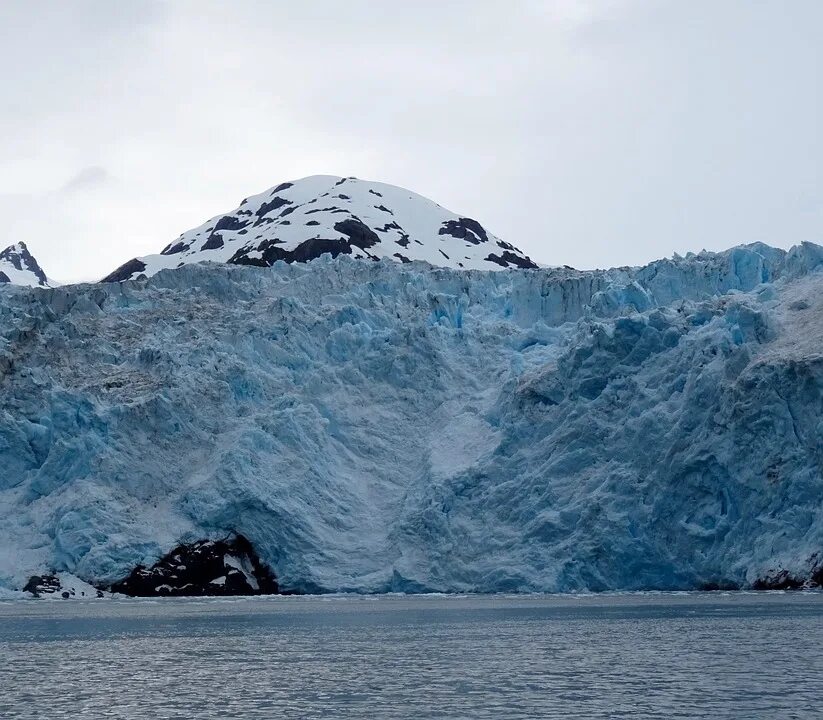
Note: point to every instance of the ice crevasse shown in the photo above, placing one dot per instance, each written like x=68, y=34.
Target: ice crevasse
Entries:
x=372, y=426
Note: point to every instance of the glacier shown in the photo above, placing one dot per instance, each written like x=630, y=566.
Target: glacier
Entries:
x=381, y=427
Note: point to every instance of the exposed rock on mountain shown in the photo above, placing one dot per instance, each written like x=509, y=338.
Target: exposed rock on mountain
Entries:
x=18, y=267
x=299, y=221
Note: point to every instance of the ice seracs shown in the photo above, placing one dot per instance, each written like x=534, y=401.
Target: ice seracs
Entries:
x=381, y=426
x=19, y=267
x=301, y=220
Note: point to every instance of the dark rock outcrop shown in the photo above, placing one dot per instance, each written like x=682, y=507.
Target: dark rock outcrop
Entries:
x=124, y=272
x=274, y=204
x=781, y=579
x=230, y=222
x=174, y=248
x=305, y=251
x=358, y=232
x=39, y=585
x=42, y=585
x=465, y=229
x=206, y=567
x=507, y=259
x=214, y=242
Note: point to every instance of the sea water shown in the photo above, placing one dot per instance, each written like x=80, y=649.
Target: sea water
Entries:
x=714, y=655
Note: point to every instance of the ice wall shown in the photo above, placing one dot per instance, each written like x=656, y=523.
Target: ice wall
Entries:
x=376, y=426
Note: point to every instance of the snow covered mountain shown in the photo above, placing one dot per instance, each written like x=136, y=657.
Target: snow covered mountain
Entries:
x=18, y=267
x=395, y=427
x=301, y=220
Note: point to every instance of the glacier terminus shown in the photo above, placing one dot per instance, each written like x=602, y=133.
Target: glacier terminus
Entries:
x=377, y=426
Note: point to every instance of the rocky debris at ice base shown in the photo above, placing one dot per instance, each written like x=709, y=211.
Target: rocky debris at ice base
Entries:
x=207, y=567
x=301, y=220
x=62, y=585
x=395, y=427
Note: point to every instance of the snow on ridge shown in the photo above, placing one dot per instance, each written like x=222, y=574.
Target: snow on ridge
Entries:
x=298, y=221
x=19, y=267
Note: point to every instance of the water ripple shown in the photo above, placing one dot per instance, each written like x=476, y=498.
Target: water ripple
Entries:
x=617, y=656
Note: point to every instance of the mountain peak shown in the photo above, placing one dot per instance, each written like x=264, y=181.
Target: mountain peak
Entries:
x=19, y=267
x=300, y=220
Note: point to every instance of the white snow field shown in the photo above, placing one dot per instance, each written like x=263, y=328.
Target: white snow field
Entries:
x=378, y=426
x=301, y=220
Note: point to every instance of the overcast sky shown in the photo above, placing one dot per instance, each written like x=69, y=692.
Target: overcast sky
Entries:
x=588, y=133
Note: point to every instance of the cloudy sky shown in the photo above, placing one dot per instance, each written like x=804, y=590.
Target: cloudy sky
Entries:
x=587, y=132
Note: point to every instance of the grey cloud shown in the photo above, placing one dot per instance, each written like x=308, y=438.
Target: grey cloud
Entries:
x=89, y=177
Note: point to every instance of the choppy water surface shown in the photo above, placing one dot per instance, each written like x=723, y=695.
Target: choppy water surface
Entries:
x=638, y=656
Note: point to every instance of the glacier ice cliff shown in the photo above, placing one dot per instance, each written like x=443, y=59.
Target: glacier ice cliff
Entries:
x=374, y=426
